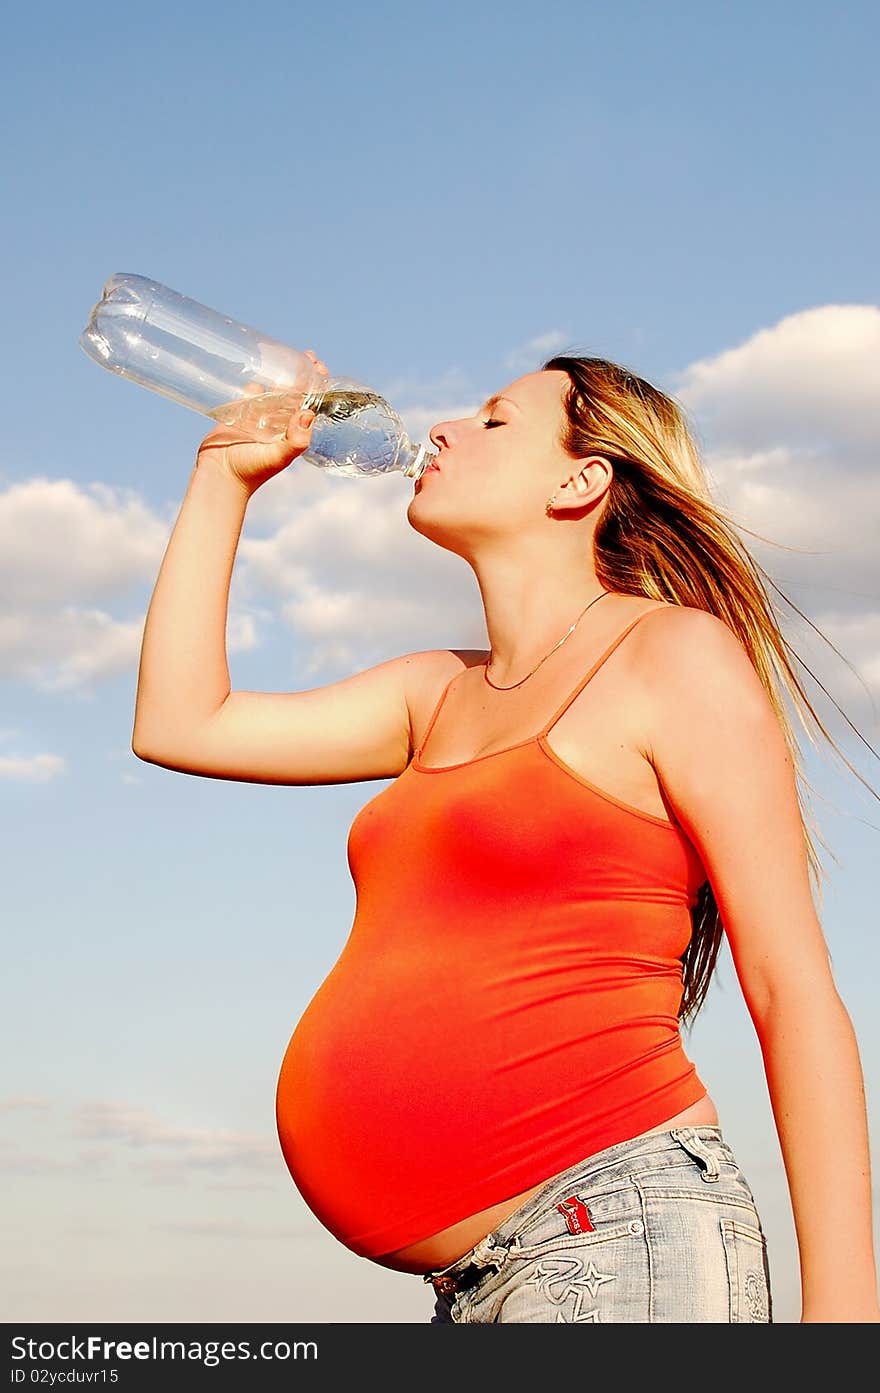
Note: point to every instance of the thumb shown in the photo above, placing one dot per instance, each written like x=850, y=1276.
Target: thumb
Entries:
x=299, y=427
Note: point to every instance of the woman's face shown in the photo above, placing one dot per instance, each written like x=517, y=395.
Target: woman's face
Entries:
x=496, y=469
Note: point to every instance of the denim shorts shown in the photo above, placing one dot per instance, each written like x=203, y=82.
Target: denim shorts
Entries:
x=660, y=1228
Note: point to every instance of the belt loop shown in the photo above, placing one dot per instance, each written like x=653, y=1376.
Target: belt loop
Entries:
x=695, y=1146
x=487, y=1254
x=484, y=1255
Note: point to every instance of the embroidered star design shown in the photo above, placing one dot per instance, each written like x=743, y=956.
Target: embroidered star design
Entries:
x=579, y=1316
x=567, y=1276
x=549, y=1274
x=594, y=1279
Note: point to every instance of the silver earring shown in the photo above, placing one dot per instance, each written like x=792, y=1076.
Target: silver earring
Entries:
x=550, y=505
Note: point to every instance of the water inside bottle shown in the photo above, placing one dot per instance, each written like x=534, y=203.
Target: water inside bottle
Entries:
x=269, y=412
x=355, y=431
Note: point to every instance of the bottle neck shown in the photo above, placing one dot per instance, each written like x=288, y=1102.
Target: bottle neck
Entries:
x=411, y=460
x=416, y=459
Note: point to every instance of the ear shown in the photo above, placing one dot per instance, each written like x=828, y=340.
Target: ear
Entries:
x=588, y=483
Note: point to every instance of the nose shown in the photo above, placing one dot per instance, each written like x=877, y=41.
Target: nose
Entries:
x=439, y=434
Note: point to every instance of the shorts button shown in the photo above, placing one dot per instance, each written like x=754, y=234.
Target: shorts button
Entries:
x=636, y=1226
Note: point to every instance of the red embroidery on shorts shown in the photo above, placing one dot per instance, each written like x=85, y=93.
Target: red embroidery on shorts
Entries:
x=576, y=1216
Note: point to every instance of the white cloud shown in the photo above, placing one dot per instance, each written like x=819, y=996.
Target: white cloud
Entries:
x=529, y=356
x=172, y=1147
x=419, y=420
x=336, y=562
x=29, y=1103
x=36, y=769
x=103, y=1136
x=792, y=415
x=790, y=427
x=64, y=547
x=349, y=569
x=791, y=424
x=348, y=574
x=68, y=649
x=99, y=540
x=811, y=381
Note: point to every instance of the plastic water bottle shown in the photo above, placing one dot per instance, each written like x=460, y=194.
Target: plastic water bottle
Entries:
x=240, y=377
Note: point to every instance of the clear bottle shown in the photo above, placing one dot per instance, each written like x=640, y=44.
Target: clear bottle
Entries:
x=238, y=376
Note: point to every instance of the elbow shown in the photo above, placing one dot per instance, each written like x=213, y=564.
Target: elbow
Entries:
x=152, y=742
x=783, y=1007
x=140, y=752
x=138, y=744
x=147, y=750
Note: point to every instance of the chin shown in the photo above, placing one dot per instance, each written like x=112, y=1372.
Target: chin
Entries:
x=434, y=529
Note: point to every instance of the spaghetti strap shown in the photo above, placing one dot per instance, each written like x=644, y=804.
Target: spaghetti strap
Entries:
x=596, y=665
x=436, y=712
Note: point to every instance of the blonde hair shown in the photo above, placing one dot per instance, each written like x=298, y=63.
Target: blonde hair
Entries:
x=663, y=536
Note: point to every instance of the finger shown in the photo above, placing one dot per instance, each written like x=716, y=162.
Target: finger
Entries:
x=322, y=366
x=299, y=427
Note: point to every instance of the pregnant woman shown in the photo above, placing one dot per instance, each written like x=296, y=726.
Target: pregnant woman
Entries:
x=490, y=1088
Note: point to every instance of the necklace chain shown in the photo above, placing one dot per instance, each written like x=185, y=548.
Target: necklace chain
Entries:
x=546, y=655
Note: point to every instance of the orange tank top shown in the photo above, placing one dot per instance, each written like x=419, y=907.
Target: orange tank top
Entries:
x=506, y=1003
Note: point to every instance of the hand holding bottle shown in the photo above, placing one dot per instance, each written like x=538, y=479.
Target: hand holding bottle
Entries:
x=251, y=461
x=249, y=382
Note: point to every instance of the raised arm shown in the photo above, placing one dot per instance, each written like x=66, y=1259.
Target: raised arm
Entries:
x=720, y=753
x=186, y=716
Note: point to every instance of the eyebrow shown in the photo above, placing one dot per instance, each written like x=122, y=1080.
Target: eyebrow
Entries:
x=493, y=402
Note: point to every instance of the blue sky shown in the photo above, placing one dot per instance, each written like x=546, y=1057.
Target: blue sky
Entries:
x=431, y=198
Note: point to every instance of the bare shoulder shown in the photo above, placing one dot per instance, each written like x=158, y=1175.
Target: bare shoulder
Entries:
x=428, y=674
x=680, y=643
x=728, y=773
x=688, y=661
x=433, y=668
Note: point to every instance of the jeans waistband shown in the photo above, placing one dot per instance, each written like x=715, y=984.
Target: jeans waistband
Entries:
x=622, y=1159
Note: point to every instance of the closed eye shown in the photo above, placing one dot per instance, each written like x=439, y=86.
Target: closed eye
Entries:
x=490, y=423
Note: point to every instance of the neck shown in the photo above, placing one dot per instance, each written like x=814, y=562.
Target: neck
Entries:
x=529, y=606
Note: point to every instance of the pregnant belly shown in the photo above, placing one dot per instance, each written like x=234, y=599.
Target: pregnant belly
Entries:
x=447, y=1246
x=403, y=1103
x=370, y=1115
